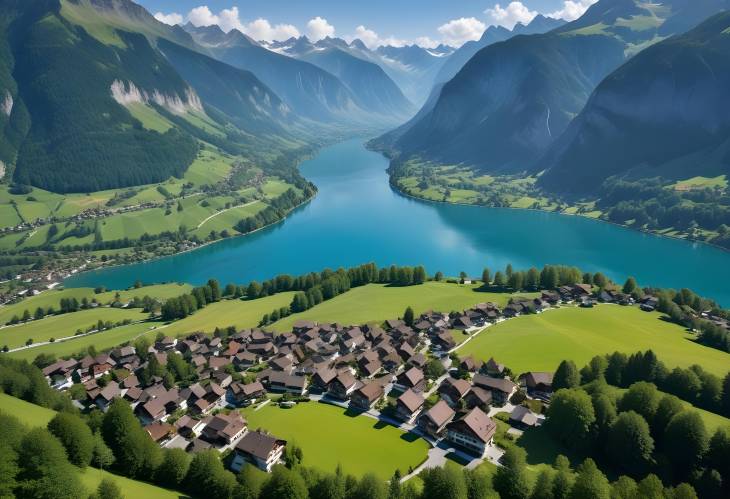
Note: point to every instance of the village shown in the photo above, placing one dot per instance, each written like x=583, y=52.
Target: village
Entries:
x=408, y=376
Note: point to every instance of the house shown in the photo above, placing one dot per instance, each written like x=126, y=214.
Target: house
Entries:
x=244, y=360
x=283, y=382
x=160, y=432
x=370, y=369
x=473, y=431
x=409, y=405
x=107, y=394
x=522, y=417
x=478, y=397
x=649, y=303
x=444, y=340
x=412, y=379
x=365, y=397
x=189, y=427
x=419, y=360
x=537, y=382
x=434, y=420
x=468, y=364
x=493, y=368
x=224, y=428
x=166, y=343
x=322, y=378
x=124, y=355
x=453, y=390
x=245, y=394
x=260, y=449
x=151, y=411
x=343, y=385
x=502, y=389
x=222, y=378
x=462, y=323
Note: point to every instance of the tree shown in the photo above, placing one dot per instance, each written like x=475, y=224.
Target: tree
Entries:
x=684, y=383
x=45, y=471
x=668, y=407
x=566, y=376
x=682, y=491
x=486, y=276
x=253, y=291
x=543, y=488
x=75, y=436
x=595, y=370
x=685, y=442
x=590, y=483
x=443, y=483
x=477, y=486
x=642, y=398
x=614, y=371
x=624, y=488
x=208, y=478
x=532, y=279
x=108, y=489
x=605, y=410
x=215, y=289
x=499, y=280
x=600, y=280
x=174, y=468
x=571, y=417
x=516, y=281
x=408, y=316
x=718, y=453
x=135, y=453
x=102, y=457
x=511, y=480
x=284, y=484
x=725, y=400
x=39, y=313
x=370, y=487
x=651, y=488
x=439, y=276
x=549, y=278
x=631, y=445
x=629, y=286
x=300, y=303
x=563, y=480
x=434, y=369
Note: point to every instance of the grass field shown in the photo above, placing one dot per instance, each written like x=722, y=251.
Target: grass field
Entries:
x=29, y=414
x=101, y=341
x=328, y=437
x=239, y=313
x=378, y=302
x=540, y=342
x=60, y=326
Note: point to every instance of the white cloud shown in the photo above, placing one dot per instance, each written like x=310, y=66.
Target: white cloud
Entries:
x=172, y=18
x=572, y=9
x=426, y=42
x=513, y=13
x=228, y=19
x=318, y=28
x=459, y=31
x=372, y=40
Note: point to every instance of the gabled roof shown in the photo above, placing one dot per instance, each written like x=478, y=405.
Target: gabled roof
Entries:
x=476, y=421
x=372, y=391
x=411, y=400
x=440, y=413
x=259, y=444
x=501, y=384
x=411, y=377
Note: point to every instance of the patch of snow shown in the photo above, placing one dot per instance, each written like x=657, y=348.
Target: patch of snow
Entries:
x=7, y=104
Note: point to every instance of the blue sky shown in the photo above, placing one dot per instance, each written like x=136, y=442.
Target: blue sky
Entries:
x=375, y=21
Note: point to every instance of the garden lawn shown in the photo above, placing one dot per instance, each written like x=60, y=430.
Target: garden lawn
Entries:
x=540, y=342
x=378, y=302
x=131, y=489
x=61, y=326
x=239, y=313
x=328, y=437
x=100, y=341
x=29, y=414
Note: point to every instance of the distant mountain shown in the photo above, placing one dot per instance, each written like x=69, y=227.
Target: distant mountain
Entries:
x=665, y=113
x=307, y=89
x=94, y=97
x=513, y=99
x=371, y=86
x=493, y=34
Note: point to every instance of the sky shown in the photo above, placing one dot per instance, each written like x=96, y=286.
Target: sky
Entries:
x=375, y=22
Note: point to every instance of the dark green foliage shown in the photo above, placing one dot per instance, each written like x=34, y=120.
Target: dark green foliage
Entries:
x=630, y=444
x=75, y=436
x=643, y=398
x=685, y=442
x=650, y=488
x=590, y=483
x=207, y=476
x=26, y=381
x=511, y=480
x=174, y=468
x=408, y=316
x=571, y=417
x=566, y=376
x=370, y=487
x=108, y=489
x=443, y=483
x=136, y=455
x=284, y=484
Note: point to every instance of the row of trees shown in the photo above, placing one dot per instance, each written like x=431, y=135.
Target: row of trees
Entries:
x=275, y=211
x=694, y=385
x=184, y=305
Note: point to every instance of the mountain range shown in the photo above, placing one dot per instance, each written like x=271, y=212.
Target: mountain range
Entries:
x=513, y=99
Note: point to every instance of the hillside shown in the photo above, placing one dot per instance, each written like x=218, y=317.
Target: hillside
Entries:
x=91, y=103
x=513, y=99
x=665, y=114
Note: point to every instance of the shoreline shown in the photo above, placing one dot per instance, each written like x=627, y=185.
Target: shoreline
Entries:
x=400, y=192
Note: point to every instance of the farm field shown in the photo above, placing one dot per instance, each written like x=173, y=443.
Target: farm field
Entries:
x=239, y=313
x=100, y=341
x=29, y=414
x=329, y=436
x=52, y=298
x=378, y=302
x=540, y=342
x=60, y=326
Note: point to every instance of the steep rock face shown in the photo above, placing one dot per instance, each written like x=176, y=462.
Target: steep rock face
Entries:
x=513, y=99
x=664, y=113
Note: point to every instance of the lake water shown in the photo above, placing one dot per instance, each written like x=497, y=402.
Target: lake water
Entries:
x=357, y=218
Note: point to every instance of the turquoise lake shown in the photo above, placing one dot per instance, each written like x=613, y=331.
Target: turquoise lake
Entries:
x=357, y=218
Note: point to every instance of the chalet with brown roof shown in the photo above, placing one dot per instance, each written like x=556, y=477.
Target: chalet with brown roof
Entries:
x=391, y=362
x=322, y=378
x=160, y=432
x=541, y=382
x=222, y=378
x=260, y=449
x=412, y=379
x=452, y=390
x=282, y=382
x=461, y=323
x=365, y=397
x=409, y=405
x=244, y=360
x=166, y=343
x=474, y=431
x=405, y=350
x=419, y=360
x=502, y=389
x=264, y=350
x=217, y=363
x=342, y=386
x=245, y=394
x=444, y=340
x=107, y=394
x=189, y=427
x=302, y=326
x=283, y=364
x=493, y=368
x=370, y=369
x=522, y=417
x=434, y=420
x=224, y=428
x=151, y=411
x=124, y=355
x=394, y=323
x=469, y=364
x=478, y=397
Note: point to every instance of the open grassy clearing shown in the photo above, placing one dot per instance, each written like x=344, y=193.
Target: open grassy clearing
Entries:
x=239, y=313
x=29, y=414
x=52, y=298
x=100, y=341
x=540, y=342
x=150, y=118
x=60, y=326
x=329, y=436
x=378, y=302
